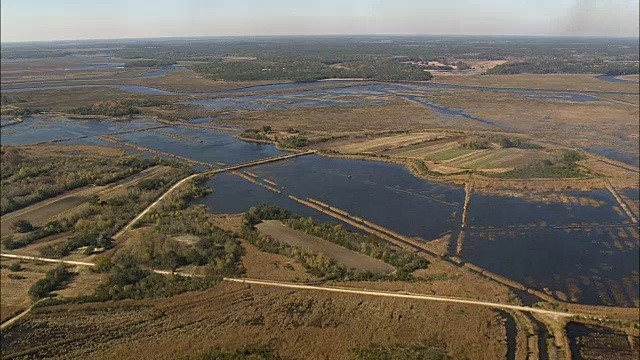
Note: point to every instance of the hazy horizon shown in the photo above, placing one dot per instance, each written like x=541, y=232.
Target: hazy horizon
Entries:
x=39, y=20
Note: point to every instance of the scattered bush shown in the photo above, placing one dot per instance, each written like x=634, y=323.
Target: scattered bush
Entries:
x=106, y=108
x=22, y=226
x=131, y=282
x=149, y=63
x=52, y=281
x=251, y=352
x=293, y=142
x=402, y=352
x=404, y=261
x=563, y=167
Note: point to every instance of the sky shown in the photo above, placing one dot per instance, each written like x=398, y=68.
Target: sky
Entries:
x=39, y=20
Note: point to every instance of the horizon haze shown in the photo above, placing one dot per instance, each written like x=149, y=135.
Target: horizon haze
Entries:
x=38, y=20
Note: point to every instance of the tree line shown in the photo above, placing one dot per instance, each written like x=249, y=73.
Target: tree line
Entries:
x=405, y=262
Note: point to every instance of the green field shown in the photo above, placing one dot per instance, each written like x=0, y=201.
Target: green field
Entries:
x=450, y=154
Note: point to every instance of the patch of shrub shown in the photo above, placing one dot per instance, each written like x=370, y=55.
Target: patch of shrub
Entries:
x=53, y=280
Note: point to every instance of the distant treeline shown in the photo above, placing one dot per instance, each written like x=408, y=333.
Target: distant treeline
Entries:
x=116, y=108
x=563, y=166
x=149, y=63
x=312, y=69
x=565, y=67
x=405, y=262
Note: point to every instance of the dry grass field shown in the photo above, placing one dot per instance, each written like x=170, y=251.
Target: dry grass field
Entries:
x=298, y=325
x=632, y=77
x=64, y=99
x=15, y=285
x=190, y=81
x=38, y=214
x=263, y=265
x=543, y=81
x=443, y=150
x=351, y=259
x=581, y=124
x=592, y=342
x=380, y=144
x=53, y=69
x=396, y=114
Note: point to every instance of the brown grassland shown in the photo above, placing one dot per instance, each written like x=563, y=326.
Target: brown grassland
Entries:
x=61, y=100
x=53, y=69
x=298, y=324
x=41, y=212
x=546, y=81
x=396, y=114
x=14, y=285
x=632, y=77
x=316, y=325
x=351, y=259
x=599, y=123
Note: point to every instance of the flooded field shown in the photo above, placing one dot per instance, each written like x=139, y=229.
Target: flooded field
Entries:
x=232, y=194
x=279, y=101
x=97, y=66
x=596, y=266
x=35, y=130
x=385, y=194
x=202, y=145
x=163, y=71
x=576, y=245
x=614, y=78
x=562, y=209
x=592, y=343
x=134, y=89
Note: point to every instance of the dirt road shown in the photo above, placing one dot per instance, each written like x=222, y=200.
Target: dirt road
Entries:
x=45, y=210
x=557, y=314
x=210, y=172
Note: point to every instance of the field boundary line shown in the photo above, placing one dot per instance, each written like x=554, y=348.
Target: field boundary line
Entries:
x=405, y=295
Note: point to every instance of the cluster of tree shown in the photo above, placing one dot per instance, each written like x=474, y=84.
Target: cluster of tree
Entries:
x=317, y=264
x=22, y=226
x=488, y=141
x=52, y=281
x=404, y=261
x=474, y=142
x=8, y=99
x=180, y=198
x=95, y=221
x=215, y=248
x=106, y=108
x=132, y=282
x=268, y=69
x=374, y=352
x=505, y=142
x=251, y=352
x=404, y=352
x=84, y=237
x=254, y=134
x=149, y=63
x=293, y=142
x=334, y=50
x=51, y=228
x=564, y=166
x=256, y=214
x=307, y=69
x=566, y=66
x=28, y=177
x=21, y=112
x=142, y=102
x=218, y=251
